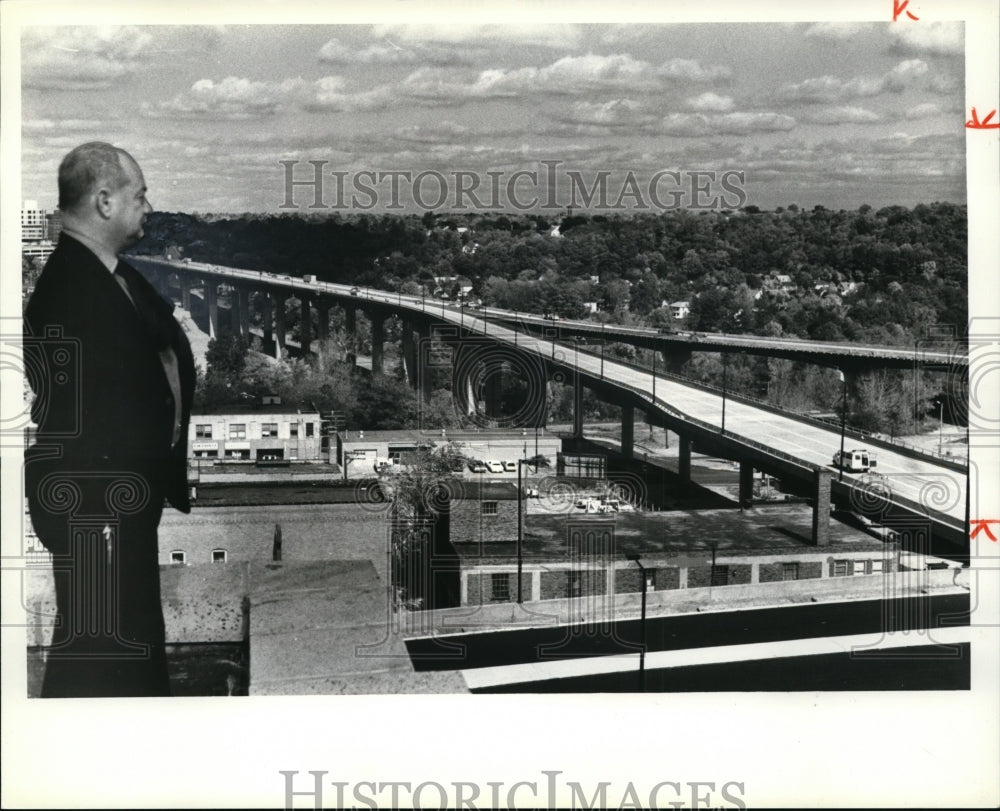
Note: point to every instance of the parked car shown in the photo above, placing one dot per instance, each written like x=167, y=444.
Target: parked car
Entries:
x=510, y=467
x=495, y=467
x=476, y=466
x=354, y=291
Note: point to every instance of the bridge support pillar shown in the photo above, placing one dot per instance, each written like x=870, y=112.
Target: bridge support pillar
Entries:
x=244, y=300
x=268, y=323
x=684, y=460
x=323, y=320
x=378, y=344
x=577, y=406
x=351, y=328
x=409, y=353
x=305, y=327
x=424, y=356
x=822, y=480
x=746, y=485
x=628, y=430
x=470, y=406
x=279, y=325
x=212, y=304
x=185, y=292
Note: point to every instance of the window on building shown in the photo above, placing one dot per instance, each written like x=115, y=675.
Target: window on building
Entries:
x=310, y=429
x=206, y=454
x=876, y=566
x=500, y=587
x=489, y=507
x=238, y=430
x=219, y=556
x=177, y=556
x=789, y=571
x=720, y=576
x=269, y=429
x=860, y=567
x=841, y=568
x=203, y=431
x=237, y=453
x=293, y=429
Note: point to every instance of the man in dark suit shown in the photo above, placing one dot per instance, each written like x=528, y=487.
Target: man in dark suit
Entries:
x=112, y=432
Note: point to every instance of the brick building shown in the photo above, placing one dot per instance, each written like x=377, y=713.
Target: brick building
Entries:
x=266, y=432
x=587, y=556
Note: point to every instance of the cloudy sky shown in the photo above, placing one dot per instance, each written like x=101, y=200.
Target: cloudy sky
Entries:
x=828, y=113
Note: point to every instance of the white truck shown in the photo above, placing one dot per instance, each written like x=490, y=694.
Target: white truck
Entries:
x=859, y=460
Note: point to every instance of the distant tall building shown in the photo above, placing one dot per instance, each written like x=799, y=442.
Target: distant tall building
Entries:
x=36, y=238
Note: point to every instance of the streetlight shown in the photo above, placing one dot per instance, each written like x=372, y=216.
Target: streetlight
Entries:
x=654, y=373
x=642, y=624
x=940, y=424
x=843, y=421
x=602, y=350
x=725, y=373
x=520, y=529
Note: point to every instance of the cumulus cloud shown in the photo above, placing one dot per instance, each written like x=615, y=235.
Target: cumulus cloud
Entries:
x=553, y=35
x=329, y=94
x=80, y=58
x=232, y=98
x=689, y=125
x=928, y=38
x=840, y=115
x=692, y=70
x=566, y=76
x=832, y=89
x=835, y=31
x=711, y=102
x=387, y=52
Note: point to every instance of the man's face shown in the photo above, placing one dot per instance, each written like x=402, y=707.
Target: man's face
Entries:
x=131, y=205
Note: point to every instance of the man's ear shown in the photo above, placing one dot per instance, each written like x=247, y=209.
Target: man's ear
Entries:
x=103, y=203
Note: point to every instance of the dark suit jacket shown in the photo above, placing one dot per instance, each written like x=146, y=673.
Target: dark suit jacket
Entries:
x=116, y=410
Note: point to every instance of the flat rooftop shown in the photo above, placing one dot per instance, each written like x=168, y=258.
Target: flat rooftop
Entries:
x=765, y=530
x=430, y=435
x=241, y=409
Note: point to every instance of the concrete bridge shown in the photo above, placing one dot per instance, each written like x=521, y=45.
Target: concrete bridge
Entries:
x=943, y=352
x=919, y=495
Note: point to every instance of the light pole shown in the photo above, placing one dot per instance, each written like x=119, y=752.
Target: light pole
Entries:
x=843, y=421
x=940, y=424
x=520, y=530
x=602, y=350
x=642, y=624
x=725, y=374
x=654, y=373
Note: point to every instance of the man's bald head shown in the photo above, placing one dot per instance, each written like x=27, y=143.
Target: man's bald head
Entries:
x=89, y=168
